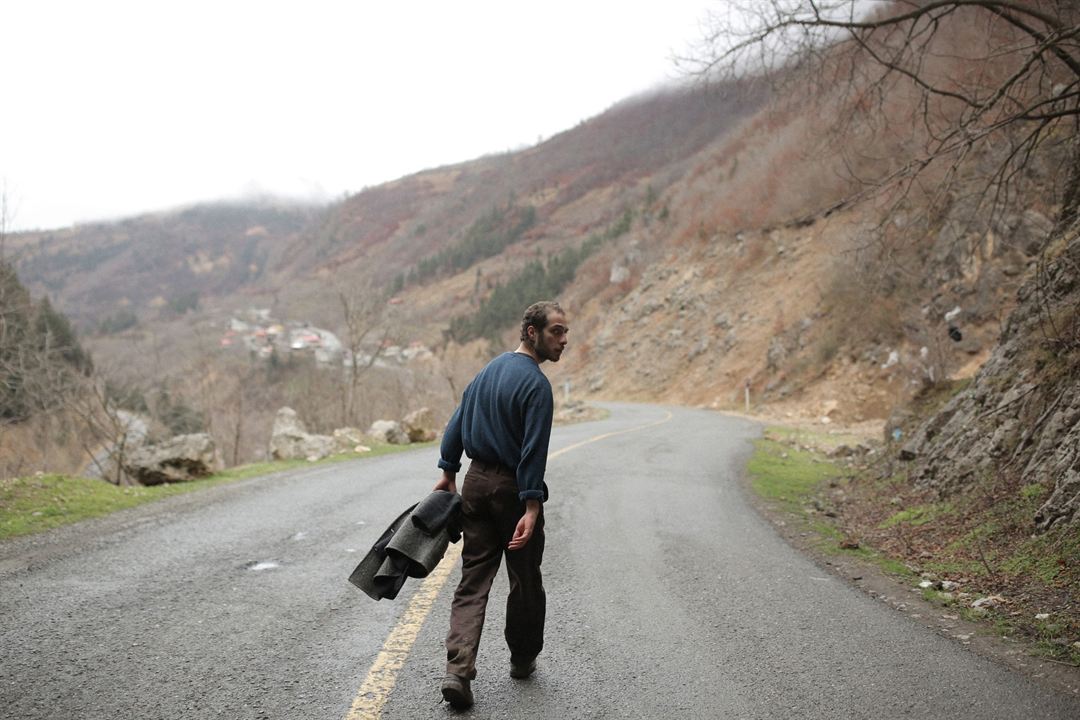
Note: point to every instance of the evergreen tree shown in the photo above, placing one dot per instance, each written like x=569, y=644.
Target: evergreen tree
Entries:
x=40, y=355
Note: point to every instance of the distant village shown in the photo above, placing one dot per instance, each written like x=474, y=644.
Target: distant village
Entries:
x=262, y=335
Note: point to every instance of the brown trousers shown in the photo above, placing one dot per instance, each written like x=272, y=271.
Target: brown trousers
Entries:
x=490, y=512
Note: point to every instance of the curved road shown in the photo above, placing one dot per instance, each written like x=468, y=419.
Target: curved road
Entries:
x=668, y=597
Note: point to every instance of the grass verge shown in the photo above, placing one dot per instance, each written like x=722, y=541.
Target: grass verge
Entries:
x=42, y=502
x=980, y=543
x=799, y=483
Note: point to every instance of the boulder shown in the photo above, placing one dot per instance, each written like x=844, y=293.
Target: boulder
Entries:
x=178, y=459
x=841, y=451
x=290, y=440
x=420, y=425
x=349, y=439
x=389, y=431
x=287, y=422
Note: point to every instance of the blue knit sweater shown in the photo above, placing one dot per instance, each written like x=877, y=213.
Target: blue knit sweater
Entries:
x=504, y=417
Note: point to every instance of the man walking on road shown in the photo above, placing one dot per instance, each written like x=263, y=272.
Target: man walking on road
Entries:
x=503, y=424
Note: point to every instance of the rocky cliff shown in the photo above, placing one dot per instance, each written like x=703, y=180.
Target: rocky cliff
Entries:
x=1020, y=415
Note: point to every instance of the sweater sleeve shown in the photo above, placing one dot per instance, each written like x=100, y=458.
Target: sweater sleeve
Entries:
x=539, y=411
x=451, y=447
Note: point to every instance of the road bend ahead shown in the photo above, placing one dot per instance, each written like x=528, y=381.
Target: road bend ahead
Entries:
x=668, y=597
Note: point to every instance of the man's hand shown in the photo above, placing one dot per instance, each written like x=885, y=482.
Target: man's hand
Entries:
x=447, y=482
x=524, y=530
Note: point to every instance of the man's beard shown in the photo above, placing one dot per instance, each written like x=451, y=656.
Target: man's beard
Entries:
x=542, y=351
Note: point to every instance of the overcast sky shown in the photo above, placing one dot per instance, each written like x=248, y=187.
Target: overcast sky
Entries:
x=114, y=108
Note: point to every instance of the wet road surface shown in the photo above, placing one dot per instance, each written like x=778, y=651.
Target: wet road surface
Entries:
x=668, y=597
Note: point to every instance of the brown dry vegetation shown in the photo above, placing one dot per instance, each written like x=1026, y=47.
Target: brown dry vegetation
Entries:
x=754, y=254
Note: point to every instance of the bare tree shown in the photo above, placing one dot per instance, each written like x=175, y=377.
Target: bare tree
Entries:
x=999, y=77
x=238, y=424
x=368, y=326
x=235, y=406
x=112, y=431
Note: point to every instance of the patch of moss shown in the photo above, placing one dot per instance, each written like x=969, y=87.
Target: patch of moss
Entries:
x=811, y=437
x=1045, y=568
x=1033, y=492
x=918, y=515
x=893, y=567
x=1050, y=557
x=976, y=536
x=954, y=567
x=827, y=530
x=938, y=598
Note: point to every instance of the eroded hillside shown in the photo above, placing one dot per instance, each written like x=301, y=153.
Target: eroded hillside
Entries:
x=704, y=242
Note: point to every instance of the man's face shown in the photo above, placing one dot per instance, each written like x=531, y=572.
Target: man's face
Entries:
x=550, y=342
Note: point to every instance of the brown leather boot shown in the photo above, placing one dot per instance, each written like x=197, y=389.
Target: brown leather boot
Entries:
x=456, y=691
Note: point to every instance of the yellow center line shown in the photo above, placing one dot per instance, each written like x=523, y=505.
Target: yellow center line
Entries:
x=381, y=678
x=554, y=455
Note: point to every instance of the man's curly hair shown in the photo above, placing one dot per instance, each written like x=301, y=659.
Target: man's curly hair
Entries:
x=537, y=316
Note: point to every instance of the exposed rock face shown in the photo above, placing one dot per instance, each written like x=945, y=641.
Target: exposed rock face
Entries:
x=1021, y=414
x=389, y=431
x=420, y=425
x=178, y=459
x=290, y=439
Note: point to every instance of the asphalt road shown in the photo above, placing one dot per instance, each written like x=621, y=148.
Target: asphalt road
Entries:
x=668, y=597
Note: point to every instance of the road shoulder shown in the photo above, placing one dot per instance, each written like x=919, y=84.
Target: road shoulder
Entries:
x=865, y=570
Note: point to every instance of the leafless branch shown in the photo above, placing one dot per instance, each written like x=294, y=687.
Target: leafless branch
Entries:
x=1025, y=82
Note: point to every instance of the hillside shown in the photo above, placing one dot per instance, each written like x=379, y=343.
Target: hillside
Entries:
x=712, y=191
x=704, y=241
x=153, y=295
x=166, y=261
